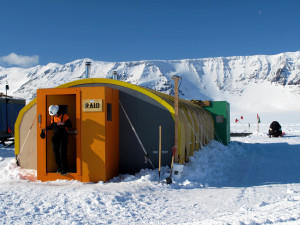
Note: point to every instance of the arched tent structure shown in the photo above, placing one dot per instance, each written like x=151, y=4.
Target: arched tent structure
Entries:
x=139, y=109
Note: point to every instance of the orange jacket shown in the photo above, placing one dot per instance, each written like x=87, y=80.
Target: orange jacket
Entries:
x=64, y=118
x=55, y=119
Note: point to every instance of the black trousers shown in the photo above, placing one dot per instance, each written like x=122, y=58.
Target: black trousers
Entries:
x=60, y=148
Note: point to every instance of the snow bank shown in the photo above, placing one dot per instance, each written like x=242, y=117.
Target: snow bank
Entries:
x=253, y=180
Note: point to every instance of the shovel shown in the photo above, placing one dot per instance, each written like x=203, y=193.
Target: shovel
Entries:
x=169, y=178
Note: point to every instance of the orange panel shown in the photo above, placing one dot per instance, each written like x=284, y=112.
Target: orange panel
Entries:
x=100, y=138
x=93, y=138
x=97, y=141
x=112, y=135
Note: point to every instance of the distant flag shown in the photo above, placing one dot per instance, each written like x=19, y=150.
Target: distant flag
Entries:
x=242, y=117
x=258, y=118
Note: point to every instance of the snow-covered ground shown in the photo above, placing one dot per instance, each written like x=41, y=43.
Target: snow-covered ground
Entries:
x=253, y=180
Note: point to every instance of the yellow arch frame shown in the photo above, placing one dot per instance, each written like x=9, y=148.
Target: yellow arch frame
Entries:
x=91, y=81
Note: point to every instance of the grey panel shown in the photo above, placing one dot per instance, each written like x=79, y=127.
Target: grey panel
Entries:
x=146, y=119
x=146, y=115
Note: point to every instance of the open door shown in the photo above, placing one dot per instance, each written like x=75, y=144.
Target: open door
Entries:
x=69, y=100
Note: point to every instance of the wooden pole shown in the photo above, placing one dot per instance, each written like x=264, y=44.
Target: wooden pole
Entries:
x=159, y=162
x=176, y=78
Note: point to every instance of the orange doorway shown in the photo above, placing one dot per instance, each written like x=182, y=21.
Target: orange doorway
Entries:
x=69, y=100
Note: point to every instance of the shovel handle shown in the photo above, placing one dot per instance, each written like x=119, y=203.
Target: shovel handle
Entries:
x=174, y=150
x=173, y=156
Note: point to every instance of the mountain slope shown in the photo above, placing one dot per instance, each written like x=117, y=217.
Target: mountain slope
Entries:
x=250, y=83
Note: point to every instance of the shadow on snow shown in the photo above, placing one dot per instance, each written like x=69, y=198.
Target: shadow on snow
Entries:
x=7, y=152
x=262, y=164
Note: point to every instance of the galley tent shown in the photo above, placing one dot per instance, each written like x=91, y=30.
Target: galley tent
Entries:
x=115, y=129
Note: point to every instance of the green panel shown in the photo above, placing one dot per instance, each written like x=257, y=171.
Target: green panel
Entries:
x=220, y=111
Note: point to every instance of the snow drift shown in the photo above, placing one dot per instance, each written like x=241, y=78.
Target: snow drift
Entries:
x=253, y=180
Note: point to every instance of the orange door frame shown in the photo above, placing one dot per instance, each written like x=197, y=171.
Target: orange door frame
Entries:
x=42, y=109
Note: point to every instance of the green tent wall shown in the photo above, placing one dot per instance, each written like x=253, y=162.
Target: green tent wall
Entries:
x=220, y=111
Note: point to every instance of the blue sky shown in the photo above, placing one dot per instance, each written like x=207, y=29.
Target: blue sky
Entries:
x=60, y=31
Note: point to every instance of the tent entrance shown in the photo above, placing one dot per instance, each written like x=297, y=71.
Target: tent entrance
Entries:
x=68, y=109
x=69, y=102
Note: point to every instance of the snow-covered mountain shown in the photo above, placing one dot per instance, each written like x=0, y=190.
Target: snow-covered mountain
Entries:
x=257, y=83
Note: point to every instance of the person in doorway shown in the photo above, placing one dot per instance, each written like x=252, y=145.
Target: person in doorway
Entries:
x=60, y=123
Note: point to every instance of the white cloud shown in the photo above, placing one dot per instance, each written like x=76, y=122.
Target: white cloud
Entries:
x=19, y=60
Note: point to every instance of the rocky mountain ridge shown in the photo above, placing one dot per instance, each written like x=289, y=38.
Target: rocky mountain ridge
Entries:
x=220, y=78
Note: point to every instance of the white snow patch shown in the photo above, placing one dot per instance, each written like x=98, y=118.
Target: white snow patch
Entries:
x=253, y=180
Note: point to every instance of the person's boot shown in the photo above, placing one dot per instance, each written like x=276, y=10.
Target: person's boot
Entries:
x=64, y=172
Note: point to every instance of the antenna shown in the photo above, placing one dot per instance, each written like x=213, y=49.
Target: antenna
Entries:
x=6, y=101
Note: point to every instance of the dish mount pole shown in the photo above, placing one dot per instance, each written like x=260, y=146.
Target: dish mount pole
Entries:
x=176, y=78
x=6, y=101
